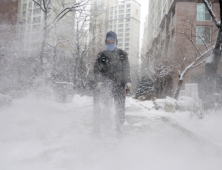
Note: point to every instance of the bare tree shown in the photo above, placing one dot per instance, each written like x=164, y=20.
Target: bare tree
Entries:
x=160, y=66
x=198, y=58
x=212, y=62
x=46, y=7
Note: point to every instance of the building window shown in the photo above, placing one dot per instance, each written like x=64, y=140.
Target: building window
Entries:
x=39, y=1
x=128, y=10
x=36, y=26
x=127, y=39
x=29, y=20
x=120, y=25
x=111, y=8
x=24, y=6
x=128, y=5
x=203, y=13
x=110, y=27
x=121, y=11
x=111, y=13
x=127, y=29
x=173, y=17
x=120, y=40
x=127, y=15
x=116, y=17
x=30, y=13
x=205, y=34
x=111, y=17
x=127, y=34
x=127, y=49
x=121, y=16
x=37, y=11
x=36, y=19
x=128, y=25
x=120, y=44
x=120, y=30
x=30, y=4
x=120, y=35
x=121, y=21
x=127, y=20
x=126, y=44
x=121, y=6
x=24, y=14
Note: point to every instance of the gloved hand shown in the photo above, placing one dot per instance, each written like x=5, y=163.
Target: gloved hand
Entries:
x=128, y=88
x=99, y=85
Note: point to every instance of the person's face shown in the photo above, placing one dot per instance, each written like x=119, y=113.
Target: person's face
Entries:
x=110, y=42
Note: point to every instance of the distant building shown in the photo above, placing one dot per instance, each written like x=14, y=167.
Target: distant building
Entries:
x=169, y=28
x=144, y=48
x=122, y=17
x=99, y=23
x=31, y=22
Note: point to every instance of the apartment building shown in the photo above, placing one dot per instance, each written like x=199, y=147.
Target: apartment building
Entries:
x=31, y=22
x=99, y=23
x=157, y=10
x=144, y=47
x=122, y=17
x=177, y=30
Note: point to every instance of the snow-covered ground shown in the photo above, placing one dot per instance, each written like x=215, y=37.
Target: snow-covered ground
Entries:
x=39, y=134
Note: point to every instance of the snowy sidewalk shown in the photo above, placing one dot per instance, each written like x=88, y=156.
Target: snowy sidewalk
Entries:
x=39, y=134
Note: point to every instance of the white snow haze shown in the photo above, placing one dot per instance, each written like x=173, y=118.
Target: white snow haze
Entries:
x=40, y=134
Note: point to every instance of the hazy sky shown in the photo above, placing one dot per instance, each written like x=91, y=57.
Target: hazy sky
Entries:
x=144, y=12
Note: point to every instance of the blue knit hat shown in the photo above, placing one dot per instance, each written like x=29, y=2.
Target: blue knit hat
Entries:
x=111, y=36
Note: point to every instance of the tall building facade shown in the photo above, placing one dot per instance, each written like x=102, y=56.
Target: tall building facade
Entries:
x=31, y=21
x=99, y=23
x=157, y=10
x=176, y=30
x=122, y=17
x=144, y=47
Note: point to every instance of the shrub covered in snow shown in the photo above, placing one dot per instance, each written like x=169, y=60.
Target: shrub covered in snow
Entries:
x=183, y=104
x=159, y=103
x=186, y=104
x=170, y=104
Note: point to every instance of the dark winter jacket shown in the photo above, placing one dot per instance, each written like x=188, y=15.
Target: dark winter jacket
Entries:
x=112, y=65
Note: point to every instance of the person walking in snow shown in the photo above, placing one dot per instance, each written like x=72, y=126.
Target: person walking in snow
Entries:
x=112, y=81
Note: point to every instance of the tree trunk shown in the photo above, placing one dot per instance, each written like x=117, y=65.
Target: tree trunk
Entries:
x=43, y=43
x=211, y=68
x=178, y=89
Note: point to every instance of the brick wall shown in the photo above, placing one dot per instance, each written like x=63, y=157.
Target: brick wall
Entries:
x=8, y=11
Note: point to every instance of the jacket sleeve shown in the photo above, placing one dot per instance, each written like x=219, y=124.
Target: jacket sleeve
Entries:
x=126, y=69
x=97, y=70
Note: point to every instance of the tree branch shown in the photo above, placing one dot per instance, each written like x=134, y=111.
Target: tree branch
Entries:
x=39, y=5
x=217, y=23
x=191, y=41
